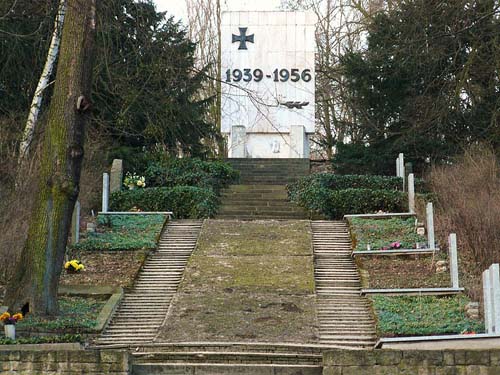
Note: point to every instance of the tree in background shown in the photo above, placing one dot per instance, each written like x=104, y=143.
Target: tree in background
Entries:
x=341, y=25
x=36, y=277
x=145, y=86
x=427, y=83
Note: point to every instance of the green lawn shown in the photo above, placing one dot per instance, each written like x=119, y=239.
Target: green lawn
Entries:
x=380, y=233
x=124, y=232
x=423, y=315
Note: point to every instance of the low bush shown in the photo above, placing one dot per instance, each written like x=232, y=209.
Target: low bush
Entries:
x=310, y=184
x=183, y=201
x=423, y=315
x=334, y=204
x=124, y=232
x=190, y=172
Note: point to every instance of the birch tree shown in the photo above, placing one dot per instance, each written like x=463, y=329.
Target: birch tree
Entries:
x=43, y=83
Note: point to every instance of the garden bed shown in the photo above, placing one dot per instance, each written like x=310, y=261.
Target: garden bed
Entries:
x=380, y=234
x=123, y=232
x=423, y=316
x=251, y=281
x=402, y=272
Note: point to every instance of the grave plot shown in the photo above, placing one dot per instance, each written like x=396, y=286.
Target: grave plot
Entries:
x=391, y=235
x=247, y=281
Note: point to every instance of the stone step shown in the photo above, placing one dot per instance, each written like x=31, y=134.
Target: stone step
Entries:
x=225, y=369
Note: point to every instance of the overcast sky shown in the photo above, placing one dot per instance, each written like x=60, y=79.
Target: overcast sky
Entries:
x=178, y=7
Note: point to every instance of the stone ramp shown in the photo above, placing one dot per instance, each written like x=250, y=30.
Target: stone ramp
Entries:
x=345, y=317
x=142, y=310
x=227, y=358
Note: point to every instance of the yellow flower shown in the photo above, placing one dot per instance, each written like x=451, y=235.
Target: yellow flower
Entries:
x=4, y=316
x=66, y=265
x=18, y=316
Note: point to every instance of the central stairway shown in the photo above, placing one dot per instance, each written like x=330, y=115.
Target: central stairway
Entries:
x=144, y=308
x=227, y=358
x=262, y=192
x=345, y=317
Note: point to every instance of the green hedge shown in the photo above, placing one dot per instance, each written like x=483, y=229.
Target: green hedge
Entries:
x=341, y=182
x=334, y=204
x=183, y=201
x=190, y=172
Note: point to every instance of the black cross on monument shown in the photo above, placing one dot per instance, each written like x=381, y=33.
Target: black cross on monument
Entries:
x=243, y=38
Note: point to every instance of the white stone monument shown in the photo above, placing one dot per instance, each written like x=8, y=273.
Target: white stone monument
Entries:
x=268, y=83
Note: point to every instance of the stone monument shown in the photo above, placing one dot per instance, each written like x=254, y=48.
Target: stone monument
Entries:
x=268, y=83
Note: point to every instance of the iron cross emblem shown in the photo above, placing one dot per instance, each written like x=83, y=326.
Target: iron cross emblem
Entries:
x=243, y=38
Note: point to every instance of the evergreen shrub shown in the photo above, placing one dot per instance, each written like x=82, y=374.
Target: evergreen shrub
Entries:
x=183, y=201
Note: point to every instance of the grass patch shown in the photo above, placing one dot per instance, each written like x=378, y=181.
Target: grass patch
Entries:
x=76, y=314
x=247, y=281
x=423, y=315
x=380, y=233
x=124, y=232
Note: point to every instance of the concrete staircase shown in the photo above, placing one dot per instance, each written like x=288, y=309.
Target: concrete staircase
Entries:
x=228, y=358
x=345, y=317
x=142, y=310
x=262, y=192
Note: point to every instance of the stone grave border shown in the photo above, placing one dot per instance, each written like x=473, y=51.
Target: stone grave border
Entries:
x=430, y=234
x=428, y=339
x=453, y=289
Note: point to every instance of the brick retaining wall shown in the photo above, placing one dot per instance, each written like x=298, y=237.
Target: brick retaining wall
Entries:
x=92, y=362
x=412, y=362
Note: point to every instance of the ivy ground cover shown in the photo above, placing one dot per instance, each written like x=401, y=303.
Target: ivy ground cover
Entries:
x=379, y=234
x=423, y=315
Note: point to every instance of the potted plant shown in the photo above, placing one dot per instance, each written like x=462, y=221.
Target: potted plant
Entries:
x=9, y=324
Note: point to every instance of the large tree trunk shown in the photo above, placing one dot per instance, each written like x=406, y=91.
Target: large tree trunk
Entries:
x=43, y=83
x=36, y=276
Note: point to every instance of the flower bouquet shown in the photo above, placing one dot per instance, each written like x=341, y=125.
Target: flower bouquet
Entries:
x=9, y=322
x=73, y=266
x=133, y=181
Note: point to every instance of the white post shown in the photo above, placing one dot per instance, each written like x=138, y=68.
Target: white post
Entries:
x=453, y=254
x=402, y=169
x=495, y=296
x=76, y=222
x=105, y=192
x=487, y=308
x=430, y=226
x=411, y=193
x=398, y=165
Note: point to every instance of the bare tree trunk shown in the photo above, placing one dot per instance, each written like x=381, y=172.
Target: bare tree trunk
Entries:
x=43, y=83
x=36, y=276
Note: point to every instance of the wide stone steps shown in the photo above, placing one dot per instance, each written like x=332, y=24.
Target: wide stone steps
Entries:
x=219, y=358
x=142, y=310
x=344, y=316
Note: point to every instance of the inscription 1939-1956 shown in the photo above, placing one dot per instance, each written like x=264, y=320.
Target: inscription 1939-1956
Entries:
x=278, y=75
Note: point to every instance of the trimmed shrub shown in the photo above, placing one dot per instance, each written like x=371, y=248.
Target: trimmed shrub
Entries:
x=360, y=201
x=341, y=182
x=183, y=201
x=190, y=172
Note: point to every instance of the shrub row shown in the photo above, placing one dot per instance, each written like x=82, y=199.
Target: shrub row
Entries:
x=183, y=201
x=341, y=182
x=190, y=172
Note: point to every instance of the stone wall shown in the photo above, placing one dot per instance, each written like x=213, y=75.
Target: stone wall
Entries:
x=92, y=362
x=412, y=362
